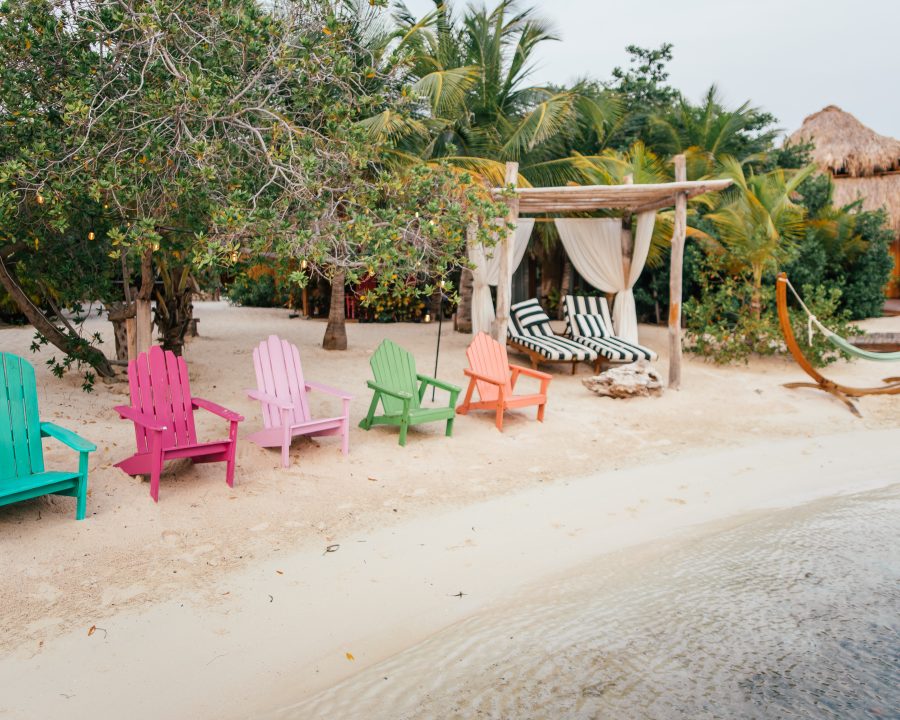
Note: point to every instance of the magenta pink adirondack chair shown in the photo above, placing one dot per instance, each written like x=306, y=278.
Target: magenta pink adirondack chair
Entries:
x=285, y=405
x=162, y=410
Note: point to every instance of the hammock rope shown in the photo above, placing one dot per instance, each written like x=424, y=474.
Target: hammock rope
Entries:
x=837, y=340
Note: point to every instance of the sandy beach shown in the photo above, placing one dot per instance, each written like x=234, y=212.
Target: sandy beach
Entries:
x=232, y=591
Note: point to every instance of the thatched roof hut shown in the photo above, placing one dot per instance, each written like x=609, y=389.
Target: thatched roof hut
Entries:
x=863, y=164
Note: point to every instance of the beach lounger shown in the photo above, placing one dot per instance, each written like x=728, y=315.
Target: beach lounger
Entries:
x=22, y=473
x=530, y=333
x=588, y=323
x=495, y=379
x=400, y=389
x=282, y=391
x=162, y=410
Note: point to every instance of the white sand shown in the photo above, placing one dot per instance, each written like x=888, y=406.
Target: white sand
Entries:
x=182, y=589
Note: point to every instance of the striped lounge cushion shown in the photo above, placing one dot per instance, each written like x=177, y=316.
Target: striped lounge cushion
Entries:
x=616, y=350
x=586, y=305
x=589, y=326
x=604, y=342
x=529, y=326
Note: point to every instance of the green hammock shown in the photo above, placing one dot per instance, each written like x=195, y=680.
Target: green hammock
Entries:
x=839, y=342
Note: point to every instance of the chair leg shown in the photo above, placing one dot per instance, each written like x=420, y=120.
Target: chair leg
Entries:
x=286, y=447
x=345, y=440
x=81, y=497
x=449, y=431
x=574, y=362
x=404, y=426
x=230, y=456
x=540, y=413
x=498, y=420
x=155, y=465
x=366, y=422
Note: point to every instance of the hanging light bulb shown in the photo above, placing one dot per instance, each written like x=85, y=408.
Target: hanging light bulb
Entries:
x=303, y=264
x=234, y=256
x=428, y=317
x=40, y=199
x=91, y=235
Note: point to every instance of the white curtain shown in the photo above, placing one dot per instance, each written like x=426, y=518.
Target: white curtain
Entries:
x=486, y=272
x=594, y=245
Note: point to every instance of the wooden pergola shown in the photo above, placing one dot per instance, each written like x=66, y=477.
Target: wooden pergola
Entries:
x=628, y=198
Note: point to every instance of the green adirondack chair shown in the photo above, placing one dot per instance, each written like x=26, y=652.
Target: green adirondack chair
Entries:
x=400, y=389
x=22, y=473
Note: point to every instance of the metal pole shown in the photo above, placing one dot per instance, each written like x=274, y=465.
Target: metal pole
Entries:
x=437, y=352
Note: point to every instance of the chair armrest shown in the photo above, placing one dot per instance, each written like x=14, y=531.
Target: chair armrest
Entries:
x=66, y=437
x=449, y=387
x=399, y=394
x=139, y=418
x=268, y=399
x=329, y=390
x=484, y=378
x=216, y=409
x=531, y=373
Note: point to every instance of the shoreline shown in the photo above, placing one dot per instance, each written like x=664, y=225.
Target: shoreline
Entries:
x=281, y=631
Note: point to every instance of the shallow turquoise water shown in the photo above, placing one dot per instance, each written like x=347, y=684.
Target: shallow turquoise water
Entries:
x=791, y=614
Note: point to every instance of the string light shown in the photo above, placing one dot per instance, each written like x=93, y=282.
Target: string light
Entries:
x=40, y=199
x=303, y=264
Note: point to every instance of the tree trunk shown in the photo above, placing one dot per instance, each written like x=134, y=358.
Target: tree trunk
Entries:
x=464, y=309
x=119, y=313
x=174, y=307
x=336, y=332
x=756, y=296
x=565, y=288
x=71, y=346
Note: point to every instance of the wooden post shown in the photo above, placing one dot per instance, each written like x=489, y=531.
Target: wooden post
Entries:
x=627, y=237
x=504, y=284
x=143, y=322
x=679, y=233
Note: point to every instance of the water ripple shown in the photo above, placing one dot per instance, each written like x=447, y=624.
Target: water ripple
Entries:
x=790, y=615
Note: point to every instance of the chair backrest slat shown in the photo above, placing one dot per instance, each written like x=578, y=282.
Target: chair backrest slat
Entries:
x=160, y=388
x=21, y=453
x=280, y=375
x=395, y=368
x=488, y=357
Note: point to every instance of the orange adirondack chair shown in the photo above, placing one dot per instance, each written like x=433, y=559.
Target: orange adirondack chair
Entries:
x=495, y=379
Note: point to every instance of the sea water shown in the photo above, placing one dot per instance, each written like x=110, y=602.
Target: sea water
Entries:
x=793, y=613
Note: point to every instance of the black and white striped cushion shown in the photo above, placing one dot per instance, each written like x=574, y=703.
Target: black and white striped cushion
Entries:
x=529, y=326
x=586, y=305
x=589, y=326
x=616, y=350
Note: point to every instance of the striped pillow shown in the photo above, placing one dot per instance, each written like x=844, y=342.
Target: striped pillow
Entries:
x=591, y=326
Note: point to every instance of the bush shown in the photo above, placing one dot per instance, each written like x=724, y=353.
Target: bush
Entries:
x=259, y=291
x=721, y=327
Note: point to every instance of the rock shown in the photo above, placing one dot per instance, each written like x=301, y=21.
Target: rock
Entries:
x=636, y=379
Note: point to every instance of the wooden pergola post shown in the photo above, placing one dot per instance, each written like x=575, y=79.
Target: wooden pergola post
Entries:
x=679, y=233
x=504, y=283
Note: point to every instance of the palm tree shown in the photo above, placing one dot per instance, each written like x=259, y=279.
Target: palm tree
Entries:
x=757, y=222
x=709, y=130
x=468, y=101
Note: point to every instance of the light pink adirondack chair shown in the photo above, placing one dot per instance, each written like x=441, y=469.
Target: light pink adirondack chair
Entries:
x=162, y=410
x=282, y=391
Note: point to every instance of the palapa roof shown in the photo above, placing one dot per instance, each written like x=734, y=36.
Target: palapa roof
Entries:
x=845, y=146
x=584, y=198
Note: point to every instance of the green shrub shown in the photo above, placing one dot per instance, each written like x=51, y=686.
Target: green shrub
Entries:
x=259, y=292
x=721, y=327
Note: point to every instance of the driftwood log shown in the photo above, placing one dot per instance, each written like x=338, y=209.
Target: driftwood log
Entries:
x=633, y=380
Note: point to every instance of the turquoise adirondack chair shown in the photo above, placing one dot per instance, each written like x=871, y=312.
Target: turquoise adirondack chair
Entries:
x=400, y=389
x=22, y=473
